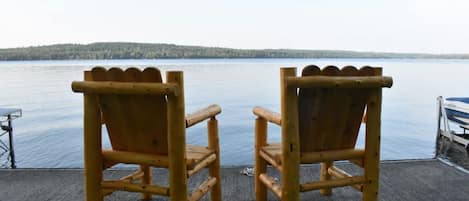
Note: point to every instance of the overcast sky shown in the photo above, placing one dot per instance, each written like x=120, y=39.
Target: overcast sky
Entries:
x=429, y=26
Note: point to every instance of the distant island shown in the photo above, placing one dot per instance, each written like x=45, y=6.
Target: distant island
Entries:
x=124, y=50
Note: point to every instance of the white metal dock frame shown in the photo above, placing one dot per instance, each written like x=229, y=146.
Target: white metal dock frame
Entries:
x=6, y=117
x=445, y=130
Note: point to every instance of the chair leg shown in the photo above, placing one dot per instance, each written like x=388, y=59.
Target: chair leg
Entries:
x=325, y=176
x=146, y=179
x=260, y=164
x=370, y=190
x=260, y=188
x=372, y=147
x=92, y=183
x=214, y=168
x=92, y=144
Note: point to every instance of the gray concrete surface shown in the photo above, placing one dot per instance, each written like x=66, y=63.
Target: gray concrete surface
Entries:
x=453, y=152
x=400, y=180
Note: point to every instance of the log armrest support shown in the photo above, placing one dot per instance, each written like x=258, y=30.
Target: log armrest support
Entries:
x=268, y=115
x=201, y=115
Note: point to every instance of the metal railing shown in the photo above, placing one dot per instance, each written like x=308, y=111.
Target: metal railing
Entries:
x=7, y=115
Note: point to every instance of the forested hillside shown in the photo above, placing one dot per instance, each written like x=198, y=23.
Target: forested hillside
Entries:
x=157, y=51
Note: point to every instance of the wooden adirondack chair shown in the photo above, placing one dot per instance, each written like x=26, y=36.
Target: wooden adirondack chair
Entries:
x=320, y=123
x=146, y=123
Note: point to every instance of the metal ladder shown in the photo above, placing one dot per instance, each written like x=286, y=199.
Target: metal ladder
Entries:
x=7, y=115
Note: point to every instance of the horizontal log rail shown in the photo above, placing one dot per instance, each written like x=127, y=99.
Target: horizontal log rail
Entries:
x=202, y=164
x=113, y=157
x=135, y=158
x=339, y=82
x=271, y=184
x=125, y=88
x=198, y=193
x=332, y=183
x=137, y=175
x=270, y=116
x=142, y=188
x=334, y=155
x=270, y=160
x=201, y=115
x=341, y=174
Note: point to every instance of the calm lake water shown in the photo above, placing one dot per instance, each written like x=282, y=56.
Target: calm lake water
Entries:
x=50, y=132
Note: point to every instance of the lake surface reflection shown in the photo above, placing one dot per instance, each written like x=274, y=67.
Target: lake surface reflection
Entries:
x=50, y=132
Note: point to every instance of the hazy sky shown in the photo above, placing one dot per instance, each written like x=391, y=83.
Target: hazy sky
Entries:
x=433, y=26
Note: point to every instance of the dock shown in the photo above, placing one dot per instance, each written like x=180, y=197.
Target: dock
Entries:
x=430, y=179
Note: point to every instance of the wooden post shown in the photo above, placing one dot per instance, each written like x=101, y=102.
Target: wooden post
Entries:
x=146, y=179
x=325, y=176
x=93, y=160
x=177, y=139
x=260, y=164
x=290, y=138
x=372, y=146
x=214, y=168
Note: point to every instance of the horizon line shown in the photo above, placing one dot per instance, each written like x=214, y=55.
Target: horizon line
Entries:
x=221, y=47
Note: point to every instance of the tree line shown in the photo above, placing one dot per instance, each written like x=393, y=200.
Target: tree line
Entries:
x=121, y=50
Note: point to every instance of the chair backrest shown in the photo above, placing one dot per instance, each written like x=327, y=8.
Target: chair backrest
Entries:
x=134, y=122
x=330, y=117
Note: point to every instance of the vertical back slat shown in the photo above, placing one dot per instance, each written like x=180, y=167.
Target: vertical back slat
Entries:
x=112, y=112
x=333, y=106
x=347, y=99
x=133, y=109
x=156, y=107
x=308, y=113
x=357, y=108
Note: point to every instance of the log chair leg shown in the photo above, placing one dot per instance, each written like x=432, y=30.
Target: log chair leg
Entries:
x=372, y=147
x=371, y=170
x=370, y=189
x=214, y=168
x=325, y=176
x=290, y=138
x=146, y=179
x=177, y=140
x=93, y=168
x=260, y=163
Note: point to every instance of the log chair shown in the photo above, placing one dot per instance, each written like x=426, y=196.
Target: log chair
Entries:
x=146, y=123
x=321, y=113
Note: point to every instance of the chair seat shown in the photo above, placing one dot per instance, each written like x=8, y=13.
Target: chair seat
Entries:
x=274, y=151
x=194, y=155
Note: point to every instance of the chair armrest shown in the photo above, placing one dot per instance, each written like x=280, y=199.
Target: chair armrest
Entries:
x=201, y=115
x=270, y=116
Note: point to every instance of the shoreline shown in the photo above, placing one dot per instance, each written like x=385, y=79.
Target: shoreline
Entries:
x=242, y=58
